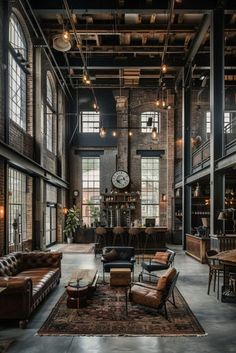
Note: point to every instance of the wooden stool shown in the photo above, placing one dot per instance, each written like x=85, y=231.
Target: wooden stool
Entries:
x=120, y=276
x=149, y=236
x=134, y=238
x=100, y=236
x=118, y=232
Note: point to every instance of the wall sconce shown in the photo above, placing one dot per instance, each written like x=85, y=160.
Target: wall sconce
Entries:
x=65, y=210
x=163, y=197
x=197, y=191
x=1, y=212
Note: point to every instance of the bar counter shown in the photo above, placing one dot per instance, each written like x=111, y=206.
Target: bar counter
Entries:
x=141, y=242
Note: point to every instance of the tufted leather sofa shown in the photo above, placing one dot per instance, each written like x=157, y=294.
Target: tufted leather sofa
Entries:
x=26, y=278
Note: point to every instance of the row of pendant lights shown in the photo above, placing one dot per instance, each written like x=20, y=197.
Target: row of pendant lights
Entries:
x=103, y=133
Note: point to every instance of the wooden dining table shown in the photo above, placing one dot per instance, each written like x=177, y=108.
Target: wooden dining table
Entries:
x=228, y=259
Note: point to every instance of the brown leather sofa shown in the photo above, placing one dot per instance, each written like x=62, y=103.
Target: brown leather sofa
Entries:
x=25, y=279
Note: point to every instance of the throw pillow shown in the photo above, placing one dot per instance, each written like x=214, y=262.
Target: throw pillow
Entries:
x=125, y=255
x=161, y=257
x=111, y=255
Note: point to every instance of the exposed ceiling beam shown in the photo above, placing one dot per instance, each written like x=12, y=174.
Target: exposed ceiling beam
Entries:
x=196, y=43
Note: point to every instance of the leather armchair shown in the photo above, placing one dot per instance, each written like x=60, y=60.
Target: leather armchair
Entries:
x=124, y=258
x=156, y=296
x=153, y=264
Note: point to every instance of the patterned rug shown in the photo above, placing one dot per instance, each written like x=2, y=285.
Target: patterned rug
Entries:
x=105, y=315
x=76, y=248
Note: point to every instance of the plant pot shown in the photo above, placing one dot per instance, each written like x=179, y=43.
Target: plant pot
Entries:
x=69, y=240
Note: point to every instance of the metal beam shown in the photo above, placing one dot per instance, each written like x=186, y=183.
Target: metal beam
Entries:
x=195, y=44
x=27, y=164
x=86, y=7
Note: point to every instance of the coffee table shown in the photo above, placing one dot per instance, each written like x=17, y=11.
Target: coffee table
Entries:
x=81, y=286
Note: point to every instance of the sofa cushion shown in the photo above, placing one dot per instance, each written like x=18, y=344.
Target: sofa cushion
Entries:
x=145, y=296
x=162, y=257
x=111, y=255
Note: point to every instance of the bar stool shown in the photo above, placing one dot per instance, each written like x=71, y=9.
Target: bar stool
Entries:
x=118, y=234
x=100, y=240
x=216, y=270
x=134, y=238
x=149, y=236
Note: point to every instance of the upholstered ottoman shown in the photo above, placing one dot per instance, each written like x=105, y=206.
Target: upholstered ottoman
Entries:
x=120, y=277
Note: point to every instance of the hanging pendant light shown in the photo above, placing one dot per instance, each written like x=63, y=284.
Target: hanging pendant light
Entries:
x=102, y=132
x=154, y=133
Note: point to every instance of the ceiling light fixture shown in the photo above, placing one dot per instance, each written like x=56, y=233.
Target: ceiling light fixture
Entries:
x=102, y=132
x=164, y=68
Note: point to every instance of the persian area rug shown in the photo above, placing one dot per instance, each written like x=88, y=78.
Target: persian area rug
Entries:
x=105, y=315
x=77, y=248
x=4, y=345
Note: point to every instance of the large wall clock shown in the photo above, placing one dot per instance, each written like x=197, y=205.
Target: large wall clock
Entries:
x=120, y=179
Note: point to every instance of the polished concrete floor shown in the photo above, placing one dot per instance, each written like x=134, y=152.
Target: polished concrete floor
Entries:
x=217, y=318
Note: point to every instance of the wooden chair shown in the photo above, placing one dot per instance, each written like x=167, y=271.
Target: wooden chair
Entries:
x=156, y=296
x=216, y=270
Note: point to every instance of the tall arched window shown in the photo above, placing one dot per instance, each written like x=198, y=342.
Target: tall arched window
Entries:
x=50, y=124
x=18, y=54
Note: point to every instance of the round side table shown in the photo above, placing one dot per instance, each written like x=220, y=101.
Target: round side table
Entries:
x=77, y=296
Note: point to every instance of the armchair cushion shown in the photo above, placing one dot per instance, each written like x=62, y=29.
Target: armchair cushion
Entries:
x=166, y=278
x=161, y=257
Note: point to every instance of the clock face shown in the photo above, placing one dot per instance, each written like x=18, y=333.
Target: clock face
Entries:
x=120, y=179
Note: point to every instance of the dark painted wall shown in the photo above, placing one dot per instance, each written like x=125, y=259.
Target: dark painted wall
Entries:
x=83, y=101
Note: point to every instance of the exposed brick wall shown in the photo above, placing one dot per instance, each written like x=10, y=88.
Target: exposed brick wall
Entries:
x=23, y=141
x=141, y=101
x=20, y=140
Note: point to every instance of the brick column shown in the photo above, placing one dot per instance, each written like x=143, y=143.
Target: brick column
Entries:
x=122, y=135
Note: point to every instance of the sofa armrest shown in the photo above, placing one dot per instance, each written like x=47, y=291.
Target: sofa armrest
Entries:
x=16, y=284
x=141, y=284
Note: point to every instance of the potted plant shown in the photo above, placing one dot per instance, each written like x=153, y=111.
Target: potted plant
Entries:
x=94, y=214
x=72, y=223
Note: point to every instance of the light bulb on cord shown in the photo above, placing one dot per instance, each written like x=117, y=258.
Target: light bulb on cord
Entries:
x=163, y=104
x=114, y=133
x=84, y=76
x=95, y=107
x=164, y=68
x=102, y=132
x=88, y=81
x=130, y=133
x=66, y=35
x=154, y=133
x=158, y=102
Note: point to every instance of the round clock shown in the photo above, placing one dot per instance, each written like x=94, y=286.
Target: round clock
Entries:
x=76, y=193
x=120, y=179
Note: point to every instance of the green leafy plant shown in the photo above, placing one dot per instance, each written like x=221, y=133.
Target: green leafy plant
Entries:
x=94, y=213
x=72, y=221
